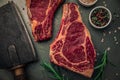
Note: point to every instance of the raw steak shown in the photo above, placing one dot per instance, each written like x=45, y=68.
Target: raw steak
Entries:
x=41, y=13
x=73, y=48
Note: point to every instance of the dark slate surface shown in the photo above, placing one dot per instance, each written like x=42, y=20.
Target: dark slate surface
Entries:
x=109, y=34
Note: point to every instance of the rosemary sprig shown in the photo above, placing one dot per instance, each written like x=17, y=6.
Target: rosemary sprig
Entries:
x=101, y=66
x=104, y=61
x=55, y=75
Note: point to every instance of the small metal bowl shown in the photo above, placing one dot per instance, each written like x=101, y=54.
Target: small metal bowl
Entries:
x=100, y=27
x=87, y=4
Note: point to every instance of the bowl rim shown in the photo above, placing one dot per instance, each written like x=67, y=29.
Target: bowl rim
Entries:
x=88, y=5
x=98, y=27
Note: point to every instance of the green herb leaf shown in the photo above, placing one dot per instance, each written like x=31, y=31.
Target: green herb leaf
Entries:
x=99, y=74
x=104, y=61
x=55, y=75
x=49, y=68
x=101, y=66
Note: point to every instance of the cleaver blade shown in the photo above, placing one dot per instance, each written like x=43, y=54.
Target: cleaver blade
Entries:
x=16, y=45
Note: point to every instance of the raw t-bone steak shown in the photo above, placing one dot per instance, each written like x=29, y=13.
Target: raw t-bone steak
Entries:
x=73, y=48
x=41, y=13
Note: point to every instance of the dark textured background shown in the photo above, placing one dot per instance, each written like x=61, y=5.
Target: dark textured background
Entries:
x=36, y=72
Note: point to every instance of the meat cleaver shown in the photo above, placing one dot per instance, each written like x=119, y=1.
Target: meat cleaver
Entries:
x=16, y=46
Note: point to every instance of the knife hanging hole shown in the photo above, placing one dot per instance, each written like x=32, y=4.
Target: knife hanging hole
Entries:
x=14, y=59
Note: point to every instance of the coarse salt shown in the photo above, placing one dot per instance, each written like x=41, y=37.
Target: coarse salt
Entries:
x=115, y=38
x=108, y=49
x=116, y=43
x=115, y=31
x=105, y=5
x=98, y=54
x=103, y=2
x=102, y=40
x=116, y=74
x=109, y=32
x=118, y=28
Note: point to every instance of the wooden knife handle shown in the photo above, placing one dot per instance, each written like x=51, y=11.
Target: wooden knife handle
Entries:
x=19, y=73
x=20, y=77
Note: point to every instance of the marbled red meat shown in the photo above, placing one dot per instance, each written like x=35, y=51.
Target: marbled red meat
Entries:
x=41, y=13
x=73, y=48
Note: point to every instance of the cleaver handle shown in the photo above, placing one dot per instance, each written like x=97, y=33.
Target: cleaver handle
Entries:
x=19, y=69
x=21, y=77
x=19, y=73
